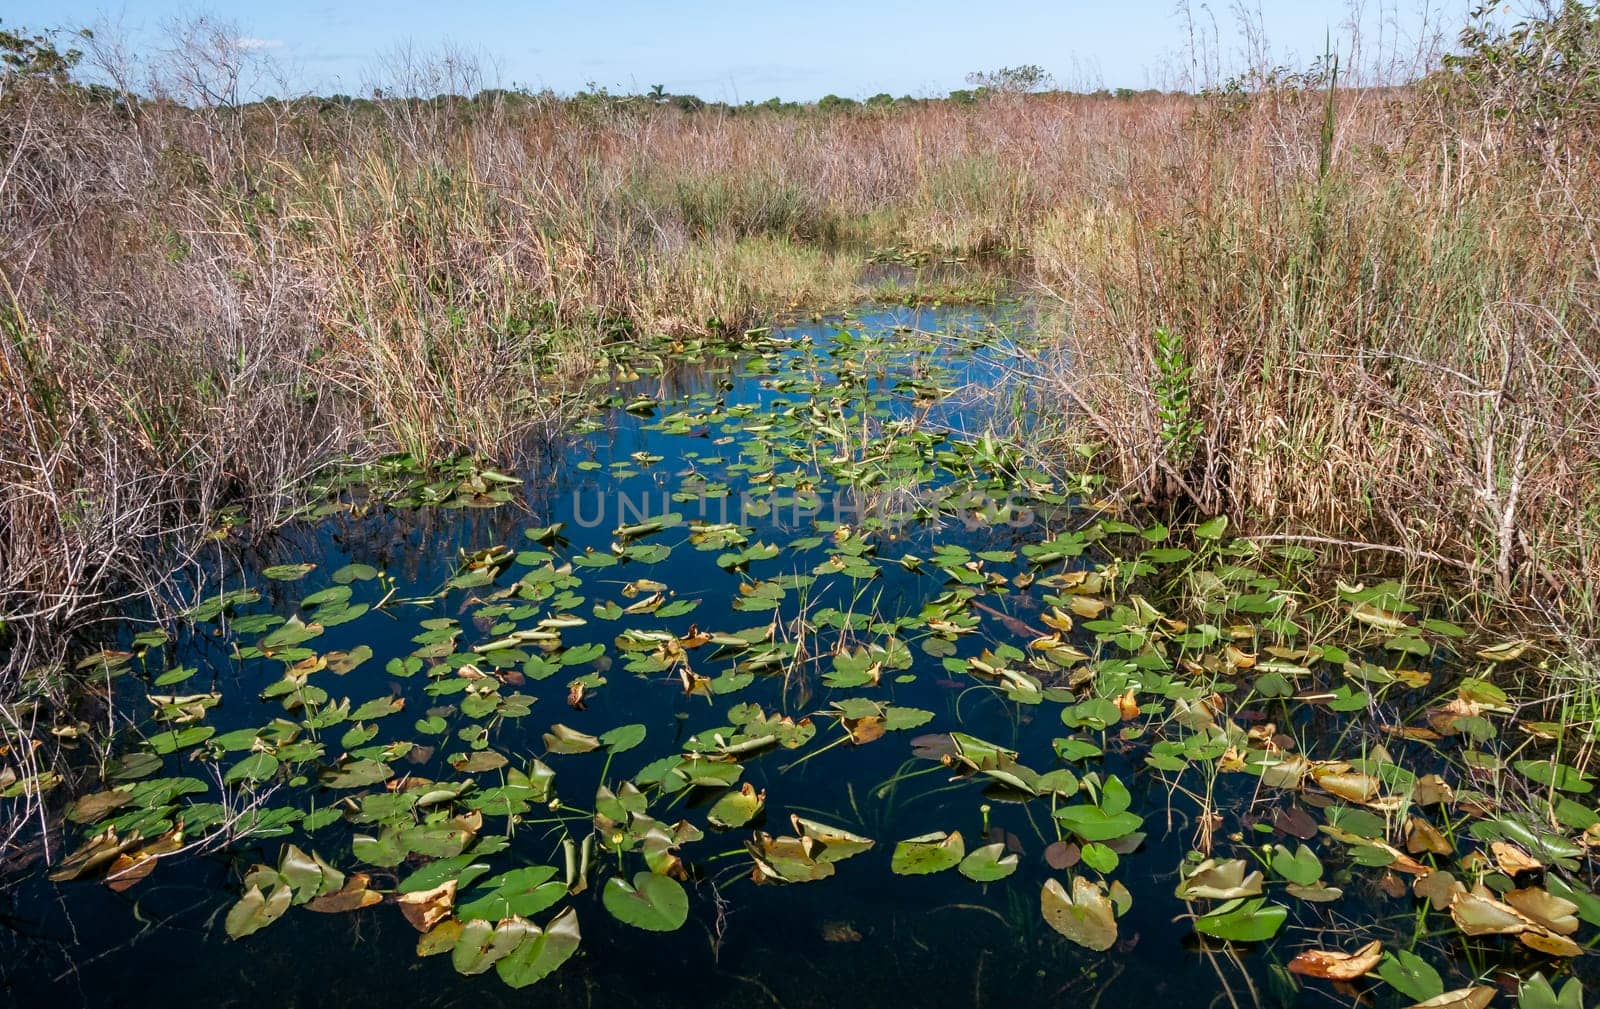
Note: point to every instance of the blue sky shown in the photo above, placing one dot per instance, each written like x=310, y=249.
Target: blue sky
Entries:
x=738, y=51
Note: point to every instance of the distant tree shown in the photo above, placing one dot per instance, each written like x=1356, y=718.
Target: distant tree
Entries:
x=1018, y=80
x=833, y=103
x=964, y=97
x=658, y=93
x=34, y=57
x=879, y=99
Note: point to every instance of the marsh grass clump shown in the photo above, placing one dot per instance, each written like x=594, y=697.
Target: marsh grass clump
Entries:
x=1386, y=305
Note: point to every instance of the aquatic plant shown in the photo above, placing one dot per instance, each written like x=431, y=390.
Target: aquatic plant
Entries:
x=489, y=783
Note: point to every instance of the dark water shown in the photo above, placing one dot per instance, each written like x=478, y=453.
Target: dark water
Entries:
x=864, y=937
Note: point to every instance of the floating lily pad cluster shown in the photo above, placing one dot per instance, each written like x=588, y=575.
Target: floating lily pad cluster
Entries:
x=1314, y=745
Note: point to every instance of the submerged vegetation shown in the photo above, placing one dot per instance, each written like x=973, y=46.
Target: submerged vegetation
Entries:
x=1231, y=588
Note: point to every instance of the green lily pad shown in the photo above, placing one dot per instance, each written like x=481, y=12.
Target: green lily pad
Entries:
x=329, y=596
x=378, y=707
x=464, y=869
x=1092, y=823
x=1411, y=975
x=357, y=774
x=1538, y=993
x=1243, y=921
x=623, y=738
x=520, y=892
x=563, y=739
x=385, y=850
x=256, y=910
x=258, y=766
x=989, y=863
x=180, y=739
x=344, y=662
x=736, y=808
x=355, y=573
x=481, y=944
x=1300, y=866
x=653, y=902
x=539, y=953
x=1554, y=775
x=291, y=632
x=936, y=852
x=307, y=875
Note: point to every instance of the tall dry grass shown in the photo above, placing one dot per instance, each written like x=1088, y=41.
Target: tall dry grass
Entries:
x=1365, y=319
